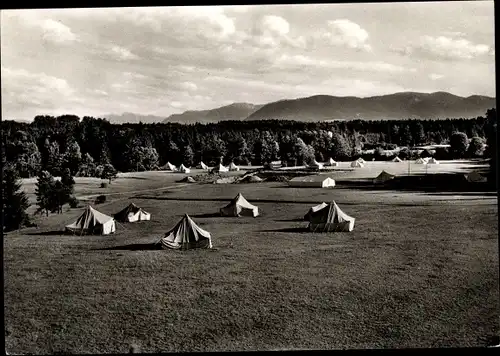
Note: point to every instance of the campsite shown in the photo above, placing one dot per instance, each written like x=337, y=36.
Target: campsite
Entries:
x=417, y=270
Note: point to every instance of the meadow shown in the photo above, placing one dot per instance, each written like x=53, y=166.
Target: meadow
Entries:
x=419, y=270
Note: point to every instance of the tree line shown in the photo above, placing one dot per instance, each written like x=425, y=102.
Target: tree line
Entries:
x=95, y=147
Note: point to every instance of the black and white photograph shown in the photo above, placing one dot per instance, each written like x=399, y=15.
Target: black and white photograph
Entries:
x=254, y=177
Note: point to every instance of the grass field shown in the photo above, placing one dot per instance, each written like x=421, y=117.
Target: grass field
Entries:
x=419, y=270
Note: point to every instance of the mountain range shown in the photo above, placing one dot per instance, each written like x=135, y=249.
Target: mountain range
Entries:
x=398, y=106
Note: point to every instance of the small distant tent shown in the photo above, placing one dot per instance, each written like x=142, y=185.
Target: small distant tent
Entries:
x=132, y=213
x=361, y=160
x=251, y=179
x=239, y=206
x=92, y=222
x=383, y=177
x=171, y=167
x=186, y=235
x=233, y=167
x=187, y=179
x=315, y=164
x=397, y=159
x=332, y=163
x=203, y=166
x=357, y=164
x=184, y=169
x=432, y=161
x=475, y=177
x=317, y=181
x=420, y=161
x=222, y=168
x=314, y=209
x=329, y=219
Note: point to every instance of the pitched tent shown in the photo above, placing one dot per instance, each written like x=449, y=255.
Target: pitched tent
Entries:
x=233, y=167
x=132, y=213
x=171, y=167
x=332, y=163
x=432, y=161
x=184, y=169
x=329, y=219
x=186, y=235
x=187, y=179
x=250, y=179
x=316, y=181
x=397, y=159
x=314, y=209
x=239, y=206
x=203, y=166
x=357, y=164
x=361, y=160
x=222, y=168
x=92, y=222
x=383, y=177
x=420, y=161
x=315, y=164
x=475, y=177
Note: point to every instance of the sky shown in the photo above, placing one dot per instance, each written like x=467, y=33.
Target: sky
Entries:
x=166, y=60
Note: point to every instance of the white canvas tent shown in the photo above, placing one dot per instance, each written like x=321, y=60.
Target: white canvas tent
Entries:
x=233, y=167
x=383, y=177
x=420, y=161
x=171, y=167
x=432, y=161
x=184, y=169
x=332, y=163
x=316, y=181
x=329, y=219
x=361, y=160
x=357, y=164
x=397, y=159
x=92, y=222
x=186, y=235
x=222, y=168
x=315, y=164
x=239, y=206
x=314, y=209
x=475, y=177
x=203, y=166
x=132, y=213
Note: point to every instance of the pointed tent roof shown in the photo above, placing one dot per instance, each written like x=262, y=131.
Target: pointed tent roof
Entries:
x=421, y=161
x=357, y=164
x=331, y=162
x=92, y=220
x=203, y=165
x=123, y=215
x=186, y=235
x=397, y=159
x=330, y=218
x=314, y=209
x=188, y=179
x=360, y=159
x=232, y=166
x=239, y=206
x=223, y=168
x=432, y=160
x=383, y=177
x=184, y=169
x=171, y=166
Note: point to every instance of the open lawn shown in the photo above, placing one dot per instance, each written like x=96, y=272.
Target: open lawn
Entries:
x=419, y=270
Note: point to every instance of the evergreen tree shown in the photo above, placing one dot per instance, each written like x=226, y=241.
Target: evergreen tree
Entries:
x=188, y=156
x=109, y=172
x=14, y=200
x=68, y=185
x=458, y=144
x=72, y=157
x=43, y=191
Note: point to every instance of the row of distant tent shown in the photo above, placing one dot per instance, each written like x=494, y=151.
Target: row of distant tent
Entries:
x=360, y=162
x=186, y=234
x=183, y=169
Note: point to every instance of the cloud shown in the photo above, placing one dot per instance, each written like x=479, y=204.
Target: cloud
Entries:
x=189, y=86
x=446, y=48
x=434, y=76
x=343, y=32
x=296, y=61
x=57, y=32
x=122, y=54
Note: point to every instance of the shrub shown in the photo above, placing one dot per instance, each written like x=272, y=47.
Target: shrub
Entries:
x=104, y=185
x=73, y=202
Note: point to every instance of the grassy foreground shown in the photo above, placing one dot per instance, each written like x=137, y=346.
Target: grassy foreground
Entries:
x=419, y=270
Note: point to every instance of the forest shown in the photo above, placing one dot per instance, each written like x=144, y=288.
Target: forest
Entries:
x=86, y=146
